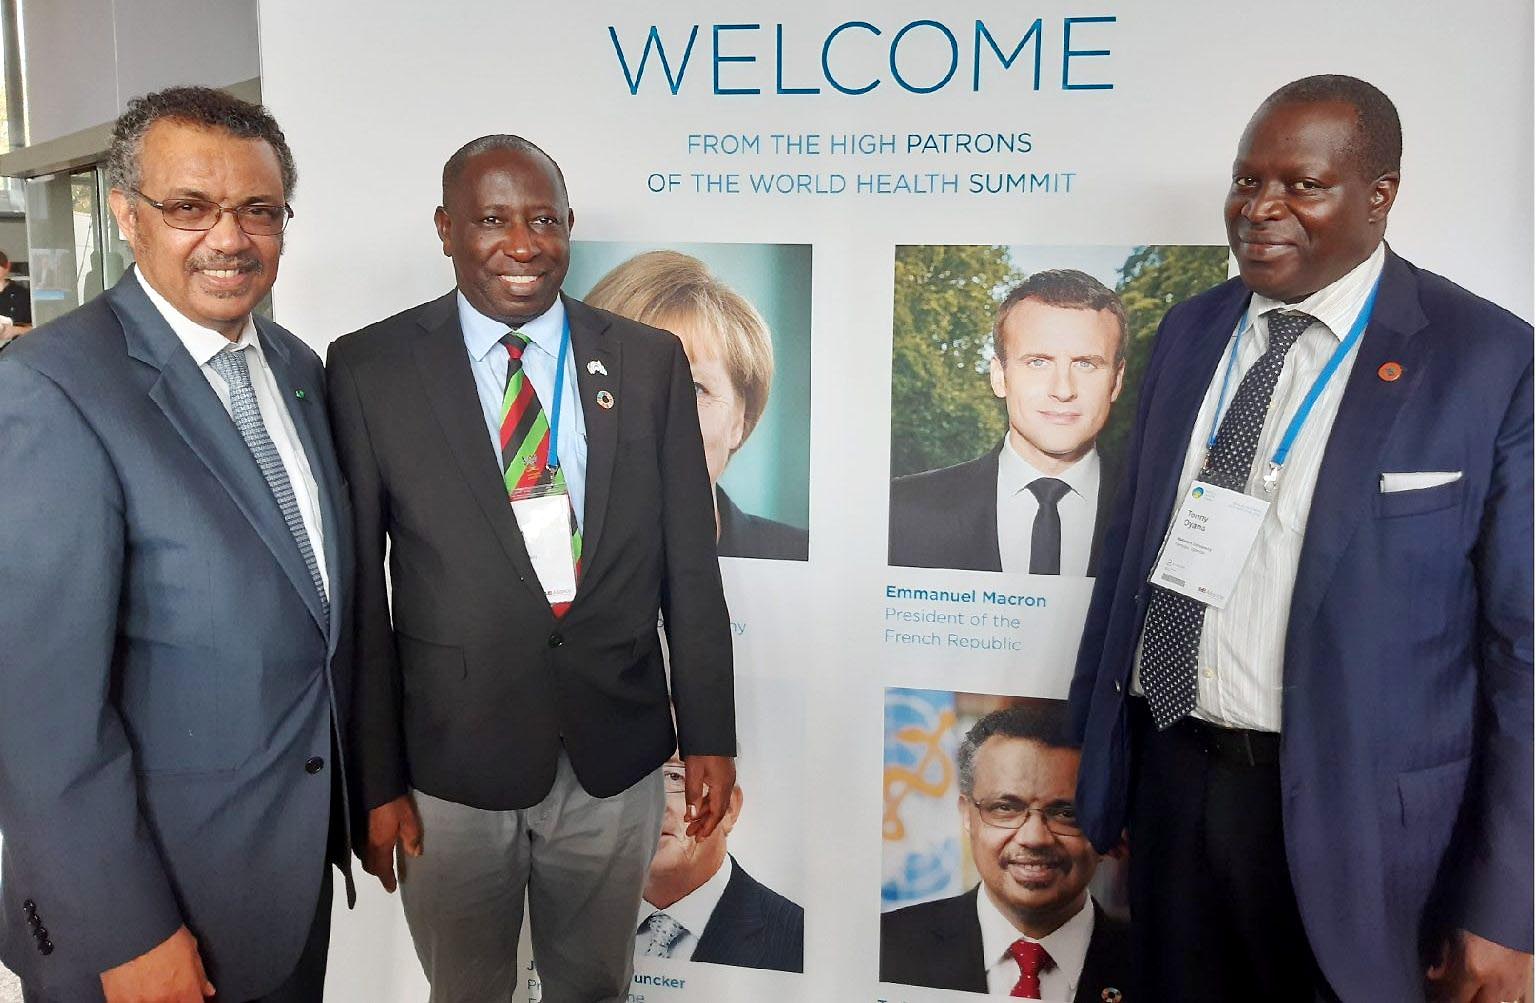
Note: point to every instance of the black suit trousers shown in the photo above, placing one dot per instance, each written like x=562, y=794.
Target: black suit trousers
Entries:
x=1213, y=915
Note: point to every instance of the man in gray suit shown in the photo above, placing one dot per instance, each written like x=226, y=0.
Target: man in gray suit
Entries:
x=176, y=560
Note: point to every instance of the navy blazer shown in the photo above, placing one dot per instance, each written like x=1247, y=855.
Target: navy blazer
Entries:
x=938, y=944
x=1406, y=741
x=753, y=926
x=167, y=691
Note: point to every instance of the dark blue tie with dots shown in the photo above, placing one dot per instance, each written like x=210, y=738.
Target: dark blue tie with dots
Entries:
x=1170, y=644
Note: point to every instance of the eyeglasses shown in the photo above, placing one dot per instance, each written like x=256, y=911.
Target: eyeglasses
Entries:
x=256, y=219
x=1059, y=818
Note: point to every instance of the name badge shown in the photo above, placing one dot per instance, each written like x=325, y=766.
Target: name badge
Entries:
x=1208, y=543
x=544, y=517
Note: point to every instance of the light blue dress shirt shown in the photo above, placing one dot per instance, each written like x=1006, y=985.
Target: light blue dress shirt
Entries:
x=488, y=361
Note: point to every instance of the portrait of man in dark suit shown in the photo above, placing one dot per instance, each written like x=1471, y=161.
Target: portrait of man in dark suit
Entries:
x=1030, y=928
x=176, y=580
x=700, y=904
x=534, y=471
x=1033, y=503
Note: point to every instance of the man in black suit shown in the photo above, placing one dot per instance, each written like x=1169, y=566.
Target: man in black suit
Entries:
x=514, y=709
x=1035, y=502
x=1029, y=929
x=700, y=904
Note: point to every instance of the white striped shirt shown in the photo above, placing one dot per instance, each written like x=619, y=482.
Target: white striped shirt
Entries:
x=1242, y=649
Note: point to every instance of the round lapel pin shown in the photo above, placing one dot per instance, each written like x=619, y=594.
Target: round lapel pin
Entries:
x=298, y=392
x=1390, y=372
x=604, y=399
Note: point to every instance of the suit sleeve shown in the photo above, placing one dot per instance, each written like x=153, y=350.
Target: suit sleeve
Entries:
x=377, y=746
x=75, y=843
x=692, y=597
x=1090, y=652
x=1493, y=849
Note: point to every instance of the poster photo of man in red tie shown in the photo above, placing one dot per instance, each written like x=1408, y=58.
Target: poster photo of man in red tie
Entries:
x=1029, y=928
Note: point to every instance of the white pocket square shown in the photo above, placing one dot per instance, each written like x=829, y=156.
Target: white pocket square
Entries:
x=1418, y=481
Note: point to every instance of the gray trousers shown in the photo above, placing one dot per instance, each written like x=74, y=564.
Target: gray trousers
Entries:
x=582, y=861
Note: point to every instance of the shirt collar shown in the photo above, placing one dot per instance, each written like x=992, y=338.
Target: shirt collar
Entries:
x=1336, y=304
x=481, y=333
x=1016, y=473
x=693, y=910
x=1067, y=944
x=203, y=343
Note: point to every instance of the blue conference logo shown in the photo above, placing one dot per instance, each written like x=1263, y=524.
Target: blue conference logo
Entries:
x=1199, y=492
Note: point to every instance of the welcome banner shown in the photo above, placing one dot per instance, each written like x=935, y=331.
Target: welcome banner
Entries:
x=865, y=185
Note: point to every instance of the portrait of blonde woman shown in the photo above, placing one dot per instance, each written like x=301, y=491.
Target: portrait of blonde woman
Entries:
x=730, y=350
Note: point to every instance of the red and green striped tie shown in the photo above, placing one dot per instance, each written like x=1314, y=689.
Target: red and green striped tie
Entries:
x=525, y=443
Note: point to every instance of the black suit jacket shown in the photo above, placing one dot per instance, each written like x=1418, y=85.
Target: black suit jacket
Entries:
x=744, y=535
x=938, y=944
x=947, y=518
x=753, y=926
x=468, y=686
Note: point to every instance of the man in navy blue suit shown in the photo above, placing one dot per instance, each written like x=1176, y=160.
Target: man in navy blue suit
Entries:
x=1324, y=764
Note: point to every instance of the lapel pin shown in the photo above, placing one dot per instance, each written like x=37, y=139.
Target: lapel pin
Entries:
x=1390, y=372
x=596, y=368
x=298, y=392
x=604, y=399
x=1110, y=995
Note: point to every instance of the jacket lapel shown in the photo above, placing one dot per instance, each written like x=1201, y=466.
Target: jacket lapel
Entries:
x=449, y=384
x=1370, y=407
x=599, y=370
x=307, y=413
x=1183, y=391
x=183, y=395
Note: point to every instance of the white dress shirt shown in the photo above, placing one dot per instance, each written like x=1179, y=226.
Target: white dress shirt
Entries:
x=204, y=343
x=1067, y=945
x=1017, y=505
x=488, y=361
x=1242, y=648
x=691, y=912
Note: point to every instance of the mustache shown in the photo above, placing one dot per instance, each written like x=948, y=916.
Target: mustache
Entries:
x=1040, y=858
x=240, y=262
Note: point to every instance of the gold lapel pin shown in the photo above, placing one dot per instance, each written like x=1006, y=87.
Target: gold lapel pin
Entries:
x=604, y=399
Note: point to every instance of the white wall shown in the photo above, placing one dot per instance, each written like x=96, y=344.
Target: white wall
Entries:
x=86, y=58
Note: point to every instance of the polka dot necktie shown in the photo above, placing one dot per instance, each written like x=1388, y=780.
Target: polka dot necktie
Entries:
x=665, y=933
x=1045, y=537
x=1171, y=642
x=1032, y=960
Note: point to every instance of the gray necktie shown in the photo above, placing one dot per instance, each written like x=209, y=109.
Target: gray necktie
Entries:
x=665, y=933
x=231, y=365
x=1171, y=642
x=1045, y=537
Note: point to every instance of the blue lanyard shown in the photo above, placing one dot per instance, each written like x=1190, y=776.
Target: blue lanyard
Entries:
x=1356, y=331
x=554, y=417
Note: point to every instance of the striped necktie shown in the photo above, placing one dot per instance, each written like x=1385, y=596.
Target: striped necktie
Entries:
x=525, y=442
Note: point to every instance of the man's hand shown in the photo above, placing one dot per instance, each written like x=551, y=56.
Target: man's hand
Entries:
x=170, y=972
x=1473, y=969
x=706, y=809
x=391, y=824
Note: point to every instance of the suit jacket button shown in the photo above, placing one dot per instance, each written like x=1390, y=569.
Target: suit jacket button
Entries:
x=34, y=920
x=45, y=948
x=555, y=640
x=29, y=907
x=314, y=765
x=1117, y=686
x=41, y=933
